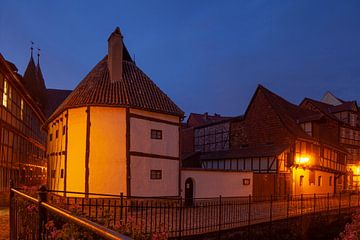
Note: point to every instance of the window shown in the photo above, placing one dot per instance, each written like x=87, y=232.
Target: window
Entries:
x=307, y=127
x=57, y=133
x=62, y=173
x=156, y=134
x=301, y=180
x=50, y=136
x=312, y=177
x=155, y=174
x=246, y=181
x=5, y=93
x=63, y=130
x=22, y=109
x=330, y=181
x=319, y=181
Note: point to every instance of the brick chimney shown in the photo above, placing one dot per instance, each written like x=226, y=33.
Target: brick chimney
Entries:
x=115, y=55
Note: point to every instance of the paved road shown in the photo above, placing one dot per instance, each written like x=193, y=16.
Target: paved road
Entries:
x=4, y=223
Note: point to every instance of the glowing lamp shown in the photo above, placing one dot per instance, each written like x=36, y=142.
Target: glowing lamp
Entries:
x=302, y=160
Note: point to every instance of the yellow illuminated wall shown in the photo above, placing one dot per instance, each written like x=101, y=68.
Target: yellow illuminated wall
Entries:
x=75, y=180
x=307, y=188
x=107, y=150
x=56, y=152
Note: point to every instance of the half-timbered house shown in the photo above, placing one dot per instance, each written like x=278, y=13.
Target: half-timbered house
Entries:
x=117, y=132
x=342, y=127
x=272, y=141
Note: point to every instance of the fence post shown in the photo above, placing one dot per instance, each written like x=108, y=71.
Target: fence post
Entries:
x=220, y=206
x=180, y=218
x=121, y=206
x=288, y=206
x=42, y=211
x=301, y=205
x=349, y=202
x=314, y=203
x=249, y=212
x=12, y=213
x=339, y=203
x=271, y=206
x=328, y=202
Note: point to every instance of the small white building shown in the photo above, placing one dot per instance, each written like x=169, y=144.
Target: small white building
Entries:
x=207, y=183
x=117, y=132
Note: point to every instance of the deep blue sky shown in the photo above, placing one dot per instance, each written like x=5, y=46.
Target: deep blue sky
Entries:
x=206, y=55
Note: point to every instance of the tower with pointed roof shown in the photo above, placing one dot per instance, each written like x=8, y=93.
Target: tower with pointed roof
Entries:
x=117, y=132
x=33, y=81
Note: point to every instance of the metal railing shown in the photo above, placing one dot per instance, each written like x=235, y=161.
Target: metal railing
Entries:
x=35, y=218
x=178, y=217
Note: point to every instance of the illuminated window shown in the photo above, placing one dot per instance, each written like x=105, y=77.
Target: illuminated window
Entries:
x=22, y=109
x=301, y=180
x=5, y=93
x=319, y=181
x=156, y=134
x=155, y=174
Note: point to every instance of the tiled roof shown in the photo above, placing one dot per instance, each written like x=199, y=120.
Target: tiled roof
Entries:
x=54, y=97
x=259, y=151
x=136, y=90
x=197, y=119
x=330, y=109
x=290, y=114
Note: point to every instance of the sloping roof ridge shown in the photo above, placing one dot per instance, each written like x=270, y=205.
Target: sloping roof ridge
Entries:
x=280, y=116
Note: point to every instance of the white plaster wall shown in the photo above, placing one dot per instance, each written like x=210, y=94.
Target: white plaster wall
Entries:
x=107, y=162
x=306, y=188
x=211, y=183
x=76, y=149
x=142, y=185
x=140, y=138
x=161, y=116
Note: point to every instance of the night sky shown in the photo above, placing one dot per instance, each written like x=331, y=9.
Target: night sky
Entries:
x=208, y=56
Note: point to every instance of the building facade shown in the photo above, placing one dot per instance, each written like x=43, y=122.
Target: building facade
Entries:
x=22, y=142
x=344, y=129
x=117, y=132
x=274, y=141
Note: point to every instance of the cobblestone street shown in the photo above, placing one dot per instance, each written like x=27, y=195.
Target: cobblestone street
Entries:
x=4, y=223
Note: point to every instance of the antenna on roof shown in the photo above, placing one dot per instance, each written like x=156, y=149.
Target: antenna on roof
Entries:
x=32, y=48
x=134, y=59
x=38, y=55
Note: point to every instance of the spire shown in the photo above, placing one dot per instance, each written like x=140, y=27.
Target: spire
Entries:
x=31, y=49
x=33, y=79
x=38, y=55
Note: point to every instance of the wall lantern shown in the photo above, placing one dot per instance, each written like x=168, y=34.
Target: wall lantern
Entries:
x=302, y=160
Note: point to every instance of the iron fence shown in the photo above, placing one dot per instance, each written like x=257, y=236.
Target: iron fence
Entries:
x=34, y=218
x=178, y=217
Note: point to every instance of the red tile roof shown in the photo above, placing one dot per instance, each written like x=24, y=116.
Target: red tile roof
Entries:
x=290, y=114
x=197, y=119
x=136, y=90
x=272, y=150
